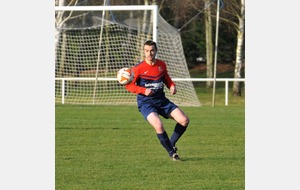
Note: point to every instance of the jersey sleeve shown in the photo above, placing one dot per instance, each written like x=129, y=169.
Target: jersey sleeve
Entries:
x=132, y=87
x=167, y=80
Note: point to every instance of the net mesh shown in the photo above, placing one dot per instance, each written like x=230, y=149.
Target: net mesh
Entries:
x=90, y=49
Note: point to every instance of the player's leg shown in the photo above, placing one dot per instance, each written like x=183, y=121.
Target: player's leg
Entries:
x=182, y=123
x=156, y=122
x=162, y=135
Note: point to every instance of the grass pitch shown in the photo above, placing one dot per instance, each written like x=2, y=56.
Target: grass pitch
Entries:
x=113, y=147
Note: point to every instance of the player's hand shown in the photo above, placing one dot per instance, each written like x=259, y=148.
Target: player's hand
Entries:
x=173, y=90
x=148, y=92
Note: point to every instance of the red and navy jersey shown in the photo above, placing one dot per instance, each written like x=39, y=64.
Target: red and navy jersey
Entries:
x=150, y=76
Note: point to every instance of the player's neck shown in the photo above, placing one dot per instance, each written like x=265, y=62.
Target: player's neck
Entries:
x=150, y=62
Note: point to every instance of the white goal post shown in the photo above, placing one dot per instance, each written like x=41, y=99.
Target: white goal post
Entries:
x=93, y=42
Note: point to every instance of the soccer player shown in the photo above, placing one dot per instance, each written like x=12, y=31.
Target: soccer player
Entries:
x=150, y=76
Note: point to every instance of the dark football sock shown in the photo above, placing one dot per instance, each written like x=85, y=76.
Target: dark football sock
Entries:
x=178, y=131
x=165, y=142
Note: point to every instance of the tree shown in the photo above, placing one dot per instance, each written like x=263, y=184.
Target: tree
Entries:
x=209, y=44
x=239, y=49
x=234, y=14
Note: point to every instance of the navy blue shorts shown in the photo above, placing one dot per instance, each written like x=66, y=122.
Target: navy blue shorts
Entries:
x=162, y=107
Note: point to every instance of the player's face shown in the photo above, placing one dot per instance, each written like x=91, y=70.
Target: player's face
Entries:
x=150, y=52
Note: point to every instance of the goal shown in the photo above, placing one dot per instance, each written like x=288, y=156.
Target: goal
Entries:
x=93, y=42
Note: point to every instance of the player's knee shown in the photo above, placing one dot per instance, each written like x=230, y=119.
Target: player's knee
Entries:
x=159, y=129
x=185, y=121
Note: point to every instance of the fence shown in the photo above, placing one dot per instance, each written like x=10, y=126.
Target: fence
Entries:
x=226, y=80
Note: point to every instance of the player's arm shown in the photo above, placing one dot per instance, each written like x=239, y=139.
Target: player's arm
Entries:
x=133, y=88
x=169, y=83
x=173, y=90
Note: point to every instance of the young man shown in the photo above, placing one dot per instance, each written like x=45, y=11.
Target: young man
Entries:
x=150, y=76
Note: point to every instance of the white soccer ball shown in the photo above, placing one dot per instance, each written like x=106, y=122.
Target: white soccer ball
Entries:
x=125, y=76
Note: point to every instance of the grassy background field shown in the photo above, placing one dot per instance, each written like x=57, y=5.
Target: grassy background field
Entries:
x=113, y=147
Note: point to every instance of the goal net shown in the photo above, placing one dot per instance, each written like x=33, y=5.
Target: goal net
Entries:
x=91, y=45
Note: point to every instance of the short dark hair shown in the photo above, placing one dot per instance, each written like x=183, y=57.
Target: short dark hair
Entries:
x=150, y=43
